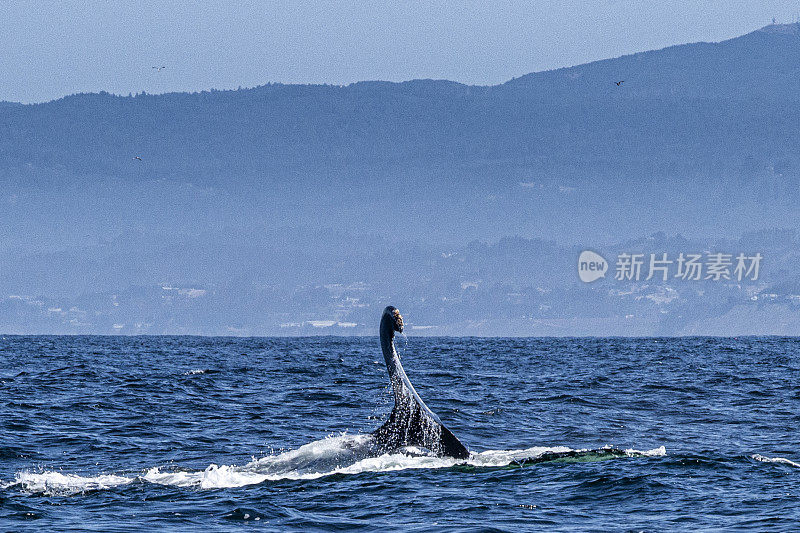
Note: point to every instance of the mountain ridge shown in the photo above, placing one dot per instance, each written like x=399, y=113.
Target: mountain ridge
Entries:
x=377, y=122
x=788, y=29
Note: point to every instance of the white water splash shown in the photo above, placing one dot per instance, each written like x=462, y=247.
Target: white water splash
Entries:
x=655, y=452
x=781, y=460
x=345, y=454
x=52, y=483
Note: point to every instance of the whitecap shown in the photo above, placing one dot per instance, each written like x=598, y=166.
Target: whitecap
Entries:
x=781, y=460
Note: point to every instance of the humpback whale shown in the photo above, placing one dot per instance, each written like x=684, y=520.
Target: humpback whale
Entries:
x=411, y=422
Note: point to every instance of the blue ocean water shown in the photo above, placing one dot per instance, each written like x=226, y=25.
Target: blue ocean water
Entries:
x=193, y=433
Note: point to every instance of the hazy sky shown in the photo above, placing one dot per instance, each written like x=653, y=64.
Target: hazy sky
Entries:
x=50, y=49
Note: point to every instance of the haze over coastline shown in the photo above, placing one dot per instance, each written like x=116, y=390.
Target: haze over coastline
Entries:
x=293, y=209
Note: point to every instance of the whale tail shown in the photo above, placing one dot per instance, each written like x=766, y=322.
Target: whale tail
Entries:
x=411, y=422
x=414, y=427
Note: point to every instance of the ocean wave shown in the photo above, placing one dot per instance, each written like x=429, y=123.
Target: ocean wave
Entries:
x=344, y=455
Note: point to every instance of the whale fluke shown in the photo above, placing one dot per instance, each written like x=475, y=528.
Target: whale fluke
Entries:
x=411, y=422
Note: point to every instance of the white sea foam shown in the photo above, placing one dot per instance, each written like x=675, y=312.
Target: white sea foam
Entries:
x=59, y=484
x=655, y=452
x=781, y=460
x=345, y=455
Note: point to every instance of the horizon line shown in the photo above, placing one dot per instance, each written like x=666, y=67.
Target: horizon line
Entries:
x=202, y=336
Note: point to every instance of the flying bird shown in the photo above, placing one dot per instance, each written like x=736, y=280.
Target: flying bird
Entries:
x=159, y=68
x=619, y=82
x=138, y=158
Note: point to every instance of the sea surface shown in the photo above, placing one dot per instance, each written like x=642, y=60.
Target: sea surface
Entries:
x=219, y=434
